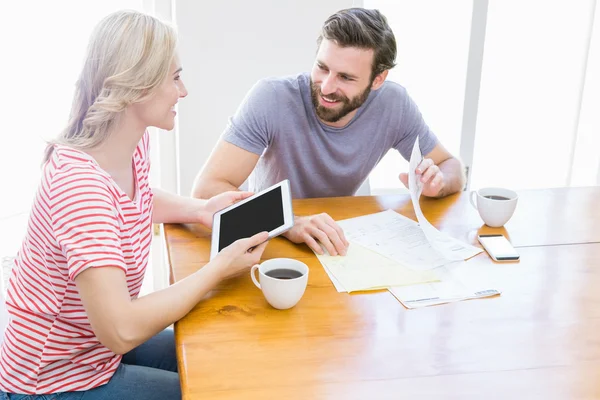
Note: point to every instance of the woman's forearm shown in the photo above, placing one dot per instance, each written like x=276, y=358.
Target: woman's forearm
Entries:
x=150, y=314
x=172, y=208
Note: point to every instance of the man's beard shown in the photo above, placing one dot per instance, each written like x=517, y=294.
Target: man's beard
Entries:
x=335, y=114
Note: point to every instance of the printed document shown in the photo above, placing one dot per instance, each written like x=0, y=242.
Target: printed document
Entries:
x=448, y=247
x=388, y=249
x=393, y=236
x=449, y=289
x=363, y=269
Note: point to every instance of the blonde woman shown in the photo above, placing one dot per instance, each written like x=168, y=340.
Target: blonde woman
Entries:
x=77, y=327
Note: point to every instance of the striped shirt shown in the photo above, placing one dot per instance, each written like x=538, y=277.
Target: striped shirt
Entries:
x=80, y=219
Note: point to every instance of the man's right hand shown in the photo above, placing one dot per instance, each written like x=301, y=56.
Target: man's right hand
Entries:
x=319, y=228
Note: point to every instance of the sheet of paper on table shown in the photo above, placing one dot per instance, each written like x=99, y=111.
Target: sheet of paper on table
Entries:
x=396, y=237
x=363, y=269
x=450, y=288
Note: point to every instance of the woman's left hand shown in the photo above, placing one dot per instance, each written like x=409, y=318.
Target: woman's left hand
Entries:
x=218, y=203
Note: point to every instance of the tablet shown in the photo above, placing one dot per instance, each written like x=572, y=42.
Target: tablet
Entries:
x=269, y=210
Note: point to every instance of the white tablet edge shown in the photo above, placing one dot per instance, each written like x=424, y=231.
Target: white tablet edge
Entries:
x=288, y=215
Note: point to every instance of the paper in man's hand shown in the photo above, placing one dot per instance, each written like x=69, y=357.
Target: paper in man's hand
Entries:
x=448, y=247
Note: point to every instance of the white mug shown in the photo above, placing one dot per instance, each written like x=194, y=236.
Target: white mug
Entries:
x=283, y=290
x=495, y=205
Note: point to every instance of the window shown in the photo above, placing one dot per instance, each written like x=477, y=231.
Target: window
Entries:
x=539, y=88
x=533, y=71
x=433, y=42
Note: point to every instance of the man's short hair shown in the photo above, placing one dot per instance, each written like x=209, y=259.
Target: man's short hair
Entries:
x=364, y=29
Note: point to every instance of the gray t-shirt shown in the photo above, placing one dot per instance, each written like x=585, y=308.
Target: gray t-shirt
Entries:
x=277, y=120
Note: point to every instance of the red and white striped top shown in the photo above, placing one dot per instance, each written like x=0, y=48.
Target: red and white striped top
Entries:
x=80, y=219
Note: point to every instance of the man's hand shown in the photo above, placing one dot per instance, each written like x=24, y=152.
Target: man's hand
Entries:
x=219, y=202
x=430, y=175
x=319, y=228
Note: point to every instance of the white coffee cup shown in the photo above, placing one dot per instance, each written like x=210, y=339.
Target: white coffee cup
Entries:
x=283, y=290
x=495, y=205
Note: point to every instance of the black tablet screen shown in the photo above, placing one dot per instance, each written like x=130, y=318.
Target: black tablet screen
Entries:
x=263, y=213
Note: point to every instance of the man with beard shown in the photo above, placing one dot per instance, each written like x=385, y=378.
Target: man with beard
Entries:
x=326, y=131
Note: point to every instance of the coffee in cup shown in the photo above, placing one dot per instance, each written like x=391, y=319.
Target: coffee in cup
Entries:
x=495, y=205
x=282, y=281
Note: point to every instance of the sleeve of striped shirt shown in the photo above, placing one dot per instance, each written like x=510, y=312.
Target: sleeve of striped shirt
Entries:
x=85, y=221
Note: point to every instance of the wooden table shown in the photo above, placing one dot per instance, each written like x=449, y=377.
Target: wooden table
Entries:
x=538, y=340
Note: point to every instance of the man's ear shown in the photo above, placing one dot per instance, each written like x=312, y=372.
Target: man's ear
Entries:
x=379, y=79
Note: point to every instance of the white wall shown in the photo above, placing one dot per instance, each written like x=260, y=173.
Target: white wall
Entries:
x=225, y=47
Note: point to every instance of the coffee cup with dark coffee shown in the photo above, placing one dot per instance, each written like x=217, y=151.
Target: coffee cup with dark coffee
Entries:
x=495, y=205
x=282, y=281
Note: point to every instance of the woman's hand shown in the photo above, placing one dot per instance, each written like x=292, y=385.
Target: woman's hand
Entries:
x=241, y=255
x=219, y=202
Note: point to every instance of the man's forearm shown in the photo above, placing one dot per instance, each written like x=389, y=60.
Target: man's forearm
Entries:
x=205, y=189
x=454, y=177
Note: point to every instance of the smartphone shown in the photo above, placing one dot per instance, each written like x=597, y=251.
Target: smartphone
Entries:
x=498, y=247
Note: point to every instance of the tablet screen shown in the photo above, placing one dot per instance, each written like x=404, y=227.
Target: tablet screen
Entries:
x=263, y=213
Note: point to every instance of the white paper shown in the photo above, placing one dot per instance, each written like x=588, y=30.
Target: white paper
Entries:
x=336, y=284
x=393, y=236
x=449, y=289
x=448, y=247
x=385, y=245
x=363, y=269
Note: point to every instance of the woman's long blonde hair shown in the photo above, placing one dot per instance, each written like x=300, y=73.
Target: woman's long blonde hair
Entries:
x=128, y=56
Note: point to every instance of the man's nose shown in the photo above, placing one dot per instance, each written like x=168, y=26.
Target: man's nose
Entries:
x=328, y=85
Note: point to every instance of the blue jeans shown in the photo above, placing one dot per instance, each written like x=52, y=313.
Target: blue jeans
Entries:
x=147, y=372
